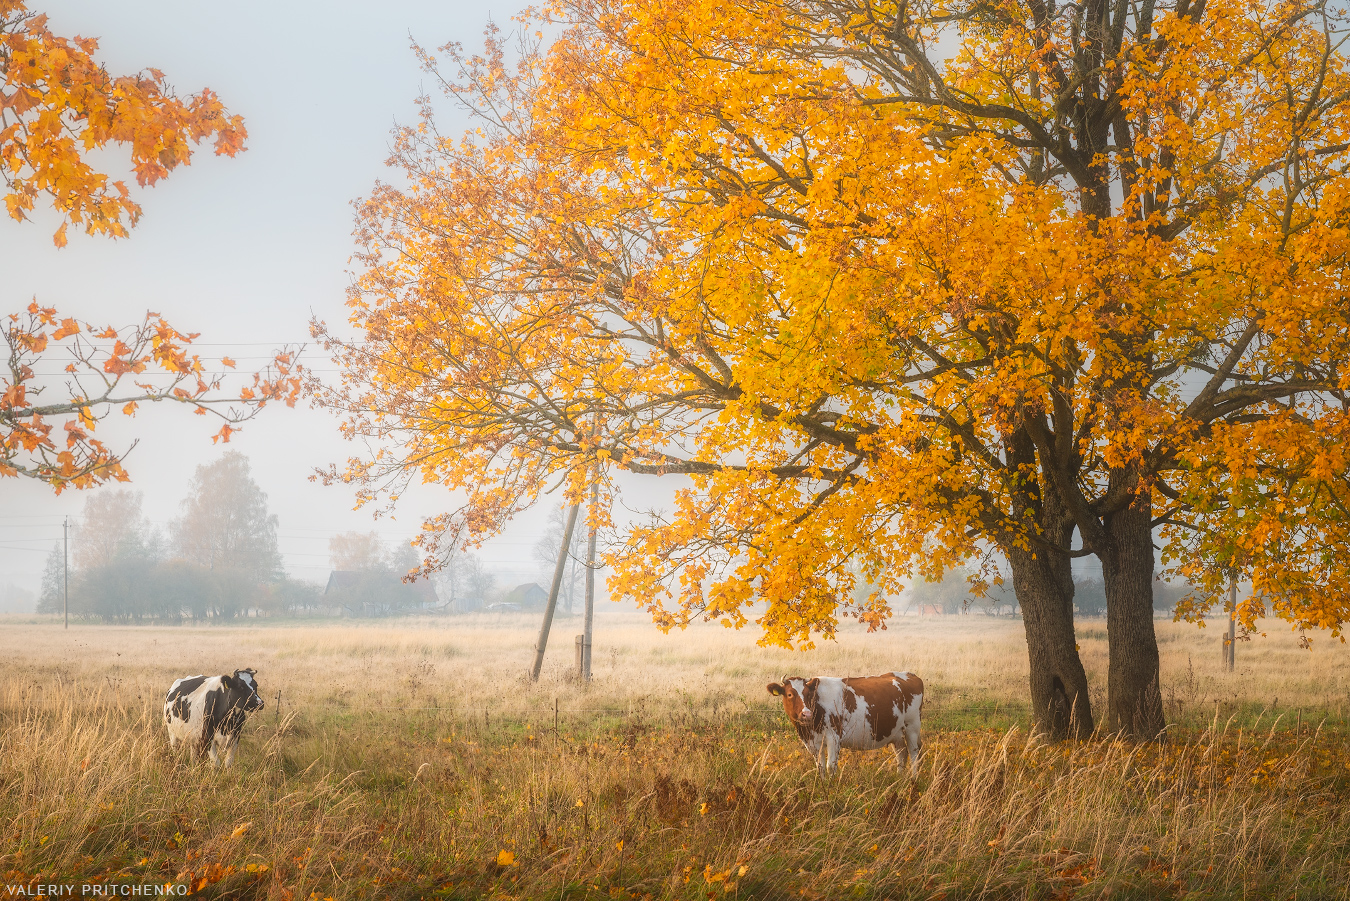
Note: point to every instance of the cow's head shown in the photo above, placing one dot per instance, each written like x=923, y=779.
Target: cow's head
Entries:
x=245, y=684
x=799, y=697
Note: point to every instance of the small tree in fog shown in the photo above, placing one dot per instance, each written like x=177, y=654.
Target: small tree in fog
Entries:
x=225, y=523
x=402, y=559
x=227, y=535
x=111, y=524
x=478, y=580
x=52, y=595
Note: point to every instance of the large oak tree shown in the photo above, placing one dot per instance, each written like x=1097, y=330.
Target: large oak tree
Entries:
x=895, y=284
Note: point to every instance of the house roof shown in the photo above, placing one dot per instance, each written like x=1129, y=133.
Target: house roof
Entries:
x=348, y=579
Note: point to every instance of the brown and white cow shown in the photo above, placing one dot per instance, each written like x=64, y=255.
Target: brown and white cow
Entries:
x=861, y=714
x=208, y=712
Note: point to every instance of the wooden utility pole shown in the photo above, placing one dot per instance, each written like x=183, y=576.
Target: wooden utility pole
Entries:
x=588, y=626
x=563, y=554
x=1230, y=641
x=65, y=570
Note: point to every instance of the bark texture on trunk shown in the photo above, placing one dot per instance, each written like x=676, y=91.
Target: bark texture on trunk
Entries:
x=1060, y=704
x=1134, y=695
x=1043, y=583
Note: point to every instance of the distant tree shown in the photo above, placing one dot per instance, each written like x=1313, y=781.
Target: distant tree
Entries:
x=184, y=590
x=952, y=594
x=292, y=597
x=225, y=523
x=1089, y=596
x=372, y=575
x=111, y=521
x=449, y=575
x=1168, y=596
x=114, y=592
x=52, y=594
x=115, y=556
x=402, y=559
x=479, y=582
x=464, y=582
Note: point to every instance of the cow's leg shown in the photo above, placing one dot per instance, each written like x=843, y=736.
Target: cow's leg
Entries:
x=915, y=747
x=832, y=760
x=895, y=749
x=215, y=753
x=231, y=742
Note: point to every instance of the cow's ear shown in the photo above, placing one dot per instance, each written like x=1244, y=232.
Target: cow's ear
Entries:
x=229, y=682
x=813, y=684
x=775, y=689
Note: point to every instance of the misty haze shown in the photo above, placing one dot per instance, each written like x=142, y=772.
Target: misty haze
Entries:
x=675, y=450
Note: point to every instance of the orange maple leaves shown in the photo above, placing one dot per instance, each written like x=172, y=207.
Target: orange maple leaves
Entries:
x=57, y=104
x=887, y=311
x=111, y=368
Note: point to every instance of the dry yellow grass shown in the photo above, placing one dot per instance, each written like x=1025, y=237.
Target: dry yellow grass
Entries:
x=471, y=662
x=673, y=775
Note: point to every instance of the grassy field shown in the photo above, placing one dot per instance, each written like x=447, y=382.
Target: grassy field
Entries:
x=416, y=759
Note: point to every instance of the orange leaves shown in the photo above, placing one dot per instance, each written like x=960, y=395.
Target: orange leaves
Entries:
x=62, y=104
x=100, y=360
x=68, y=327
x=877, y=329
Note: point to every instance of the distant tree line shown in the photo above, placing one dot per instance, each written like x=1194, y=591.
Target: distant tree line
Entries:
x=955, y=595
x=217, y=561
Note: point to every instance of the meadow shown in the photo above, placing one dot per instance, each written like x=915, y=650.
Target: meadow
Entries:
x=414, y=758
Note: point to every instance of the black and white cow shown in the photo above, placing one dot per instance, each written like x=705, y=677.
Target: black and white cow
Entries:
x=208, y=712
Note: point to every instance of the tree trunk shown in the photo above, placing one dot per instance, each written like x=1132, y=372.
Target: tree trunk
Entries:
x=1043, y=583
x=1134, y=695
x=1060, y=704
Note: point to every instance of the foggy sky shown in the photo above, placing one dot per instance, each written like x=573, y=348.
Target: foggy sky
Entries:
x=242, y=250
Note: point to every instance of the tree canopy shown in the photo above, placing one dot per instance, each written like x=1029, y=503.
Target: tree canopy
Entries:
x=894, y=286
x=226, y=523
